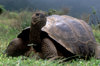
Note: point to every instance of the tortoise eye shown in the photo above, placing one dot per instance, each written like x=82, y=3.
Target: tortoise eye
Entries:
x=37, y=14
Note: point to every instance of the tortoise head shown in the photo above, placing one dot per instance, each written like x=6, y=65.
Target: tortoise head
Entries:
x=39, y=18
x=16, y=48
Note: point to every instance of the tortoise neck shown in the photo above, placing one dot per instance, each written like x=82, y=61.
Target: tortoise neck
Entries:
x=34, y=37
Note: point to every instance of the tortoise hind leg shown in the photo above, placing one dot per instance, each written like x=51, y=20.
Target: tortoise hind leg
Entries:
x=48, y=50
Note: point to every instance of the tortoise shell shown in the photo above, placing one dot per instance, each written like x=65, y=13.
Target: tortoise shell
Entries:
x=73, y=34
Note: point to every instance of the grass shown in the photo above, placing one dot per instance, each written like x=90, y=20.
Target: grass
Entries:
x=11, y=23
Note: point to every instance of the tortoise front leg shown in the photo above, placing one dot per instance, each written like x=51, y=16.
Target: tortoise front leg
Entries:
x=48, y=49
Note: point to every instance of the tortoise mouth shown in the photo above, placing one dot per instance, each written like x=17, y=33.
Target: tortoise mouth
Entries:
x=38, y=19
x=34, y=23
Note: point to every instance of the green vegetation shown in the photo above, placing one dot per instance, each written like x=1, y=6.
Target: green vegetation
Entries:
x=11, y=23
x=2, y=9
x=63, y=11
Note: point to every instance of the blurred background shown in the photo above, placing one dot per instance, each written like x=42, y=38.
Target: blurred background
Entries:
x=77, y=7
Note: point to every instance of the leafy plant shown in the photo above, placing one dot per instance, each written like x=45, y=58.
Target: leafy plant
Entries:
x=2, y=9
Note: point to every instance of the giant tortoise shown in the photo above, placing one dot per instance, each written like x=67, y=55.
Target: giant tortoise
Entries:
x=60, y=36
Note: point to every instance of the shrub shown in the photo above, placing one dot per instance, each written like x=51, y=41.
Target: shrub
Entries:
x=2, y=9
x=63, y=11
